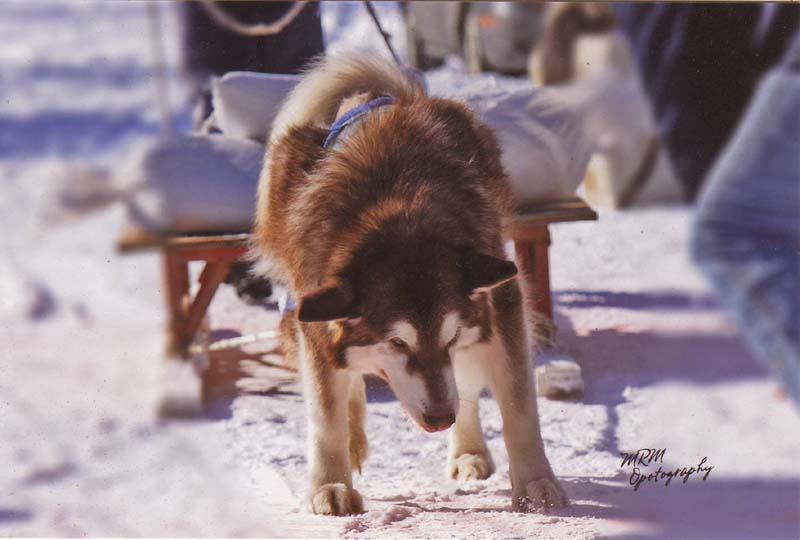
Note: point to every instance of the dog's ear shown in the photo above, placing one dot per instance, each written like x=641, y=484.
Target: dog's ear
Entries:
x=484, y=271
x=328, y=303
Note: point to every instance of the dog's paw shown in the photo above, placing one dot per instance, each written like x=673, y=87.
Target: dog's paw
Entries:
x=470, y=467
x=336, y=500
x=539, y=495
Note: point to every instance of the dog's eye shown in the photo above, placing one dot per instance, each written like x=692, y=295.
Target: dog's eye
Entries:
x=398, y=344
x=455, y=338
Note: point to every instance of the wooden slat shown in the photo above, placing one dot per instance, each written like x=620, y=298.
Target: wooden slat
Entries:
x=532, y=258
x=530, y=218
x=197, y=241
x=176, y=282
x=223, y=246
x=567, y=210
x=221, y=252
x=213, y=274
x=138, y=240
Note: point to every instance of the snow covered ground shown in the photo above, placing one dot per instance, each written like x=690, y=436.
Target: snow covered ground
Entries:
x=81, y=335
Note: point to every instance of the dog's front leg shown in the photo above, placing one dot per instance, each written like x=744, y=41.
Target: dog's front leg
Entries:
x=533, y=484
x=327, y=396
x=469, y=459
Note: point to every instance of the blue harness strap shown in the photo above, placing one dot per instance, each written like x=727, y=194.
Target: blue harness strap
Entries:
x=353, y=114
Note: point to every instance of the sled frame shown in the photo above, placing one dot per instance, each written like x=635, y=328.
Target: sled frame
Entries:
x=218, y=252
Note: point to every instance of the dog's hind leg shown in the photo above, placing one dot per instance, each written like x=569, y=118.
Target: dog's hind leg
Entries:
x=327, y=395
x=533, y=484
x=357, y=409
x=468, y=458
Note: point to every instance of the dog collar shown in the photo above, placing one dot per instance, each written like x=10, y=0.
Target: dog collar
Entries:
x=352, y=115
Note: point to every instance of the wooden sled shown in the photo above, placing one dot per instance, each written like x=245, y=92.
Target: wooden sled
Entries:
x=186, y=312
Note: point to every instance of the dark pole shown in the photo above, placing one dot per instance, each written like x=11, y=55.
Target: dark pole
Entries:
x=386, y=35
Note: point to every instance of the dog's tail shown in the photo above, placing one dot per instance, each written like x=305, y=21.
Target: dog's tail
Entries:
x=316, y=99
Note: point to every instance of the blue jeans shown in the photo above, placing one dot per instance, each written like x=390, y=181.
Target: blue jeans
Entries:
x=746, y=232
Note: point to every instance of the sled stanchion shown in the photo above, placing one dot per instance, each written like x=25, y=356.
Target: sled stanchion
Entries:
x=531, y=236
x=532, y=257
x=176, y=283
x=212, y=276
x=541, y=250
x=558, y=375
x=184, y=312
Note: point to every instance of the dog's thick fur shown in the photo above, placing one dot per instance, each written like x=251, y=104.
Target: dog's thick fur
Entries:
x=392, y=241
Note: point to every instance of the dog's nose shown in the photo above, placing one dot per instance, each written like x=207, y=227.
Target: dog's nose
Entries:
x=438, y=421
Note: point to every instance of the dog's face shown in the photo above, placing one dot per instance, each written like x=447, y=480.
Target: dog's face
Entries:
x=401, y=313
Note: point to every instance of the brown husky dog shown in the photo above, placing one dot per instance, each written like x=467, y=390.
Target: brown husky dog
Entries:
x=391, y=238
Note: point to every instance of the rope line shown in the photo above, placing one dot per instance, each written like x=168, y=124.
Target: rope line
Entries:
x=235, y=342
x=228, y=22
x=387, y=37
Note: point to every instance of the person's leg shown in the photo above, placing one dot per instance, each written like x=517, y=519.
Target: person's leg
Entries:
x=746, y=234
x=291, y=50
x=699, y=65
x=208, y=49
